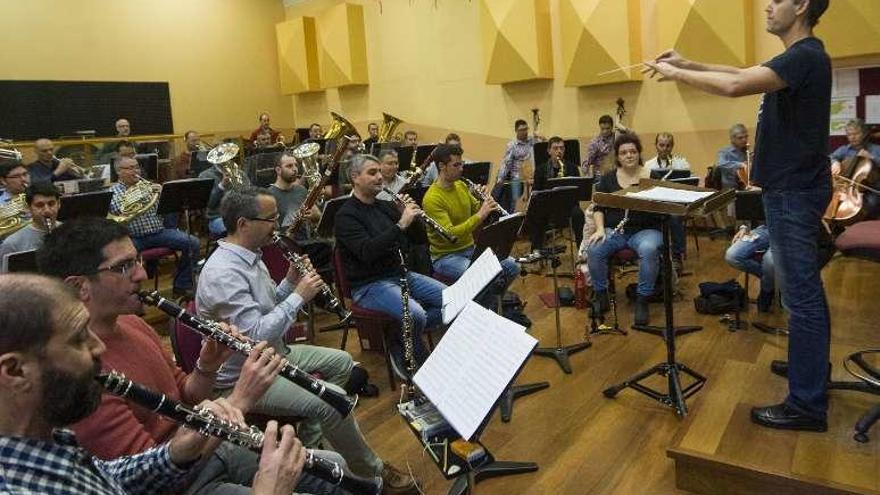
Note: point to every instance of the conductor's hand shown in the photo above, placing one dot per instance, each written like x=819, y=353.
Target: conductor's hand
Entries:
x=666, y=71
x=410, y=211
x=672, y=58
x=281, y=462
x=309, y=286
x=598, y=237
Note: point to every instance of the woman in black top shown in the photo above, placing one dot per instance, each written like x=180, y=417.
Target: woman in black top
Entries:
x=617, y=229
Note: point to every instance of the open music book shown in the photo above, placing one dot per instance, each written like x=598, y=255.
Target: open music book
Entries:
x=478, y=357
x=472, y=281
x=671, y=195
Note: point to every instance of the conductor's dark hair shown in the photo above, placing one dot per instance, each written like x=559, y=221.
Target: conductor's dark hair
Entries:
x=814, y=10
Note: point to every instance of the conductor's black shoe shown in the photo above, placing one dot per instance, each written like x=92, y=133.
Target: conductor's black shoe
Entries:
x=642, y=314
x=783, y=417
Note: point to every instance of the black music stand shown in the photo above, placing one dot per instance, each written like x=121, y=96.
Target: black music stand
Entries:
x=500, y=237
x=93, y=204
x=554, y=206
x=405, y=156
x=423, y=151
x=584, y=187
x=675, y=395
x=184, y=196
x=477, y=172
x=325, y=230
x=674, y=174
x=22, y=261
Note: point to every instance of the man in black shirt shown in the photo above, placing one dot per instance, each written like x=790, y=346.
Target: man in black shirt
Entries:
x=48, y=168
x=793, y=170
x=556, y=167
x=369, y=235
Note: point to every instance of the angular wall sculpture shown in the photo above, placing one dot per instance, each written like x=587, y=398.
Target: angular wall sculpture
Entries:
x=599, y=36
x=342, y=46
x=849, y=28
x=298, y=56
x=516, y=40
x=722, y=32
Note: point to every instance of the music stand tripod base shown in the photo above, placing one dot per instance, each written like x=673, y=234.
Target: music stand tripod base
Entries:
x=659, y=331
x=515, y=392
x=465, y=484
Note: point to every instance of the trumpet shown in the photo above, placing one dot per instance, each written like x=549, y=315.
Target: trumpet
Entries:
x=430, y=222
x=250, y=437
x=81, y=172
x=481, y=196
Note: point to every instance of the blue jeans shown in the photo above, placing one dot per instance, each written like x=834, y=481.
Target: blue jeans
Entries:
x=645, y=242
x=516, y=192
x=425, y=303
x=174, y=239
x=453, y=265
x=793, y=218
x=216, y=227
x=740, y=256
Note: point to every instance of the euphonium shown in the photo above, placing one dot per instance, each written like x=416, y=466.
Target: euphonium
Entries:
x=8, y=152
x=307, y=155
x=386, y=129
x=12, y=216
x=339, y=128
x=136, y=200
x=221, y=156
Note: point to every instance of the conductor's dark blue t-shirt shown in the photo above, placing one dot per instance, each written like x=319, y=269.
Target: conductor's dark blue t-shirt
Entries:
x=791, y=147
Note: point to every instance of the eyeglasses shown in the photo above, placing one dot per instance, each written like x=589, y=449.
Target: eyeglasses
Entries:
x=18, y=176
x=273, y=219
x=124, y=267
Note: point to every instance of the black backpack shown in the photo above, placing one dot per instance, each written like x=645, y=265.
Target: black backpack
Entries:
x=718, y=298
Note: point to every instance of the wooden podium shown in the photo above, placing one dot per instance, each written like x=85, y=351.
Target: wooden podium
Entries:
x=675, y=395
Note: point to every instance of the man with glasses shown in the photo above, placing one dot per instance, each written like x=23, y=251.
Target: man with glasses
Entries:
x=147, y=230
x=48, y=168
x=451, y=204
x=388, y=166
x=43, y=202
x=97, y=258
x=15, y=178
x=235, y=286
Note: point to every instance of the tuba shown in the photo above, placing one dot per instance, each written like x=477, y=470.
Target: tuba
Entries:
x=386, y=129
x=221, y=156
x=13, y=216
x=136, y=200
x=339, y=128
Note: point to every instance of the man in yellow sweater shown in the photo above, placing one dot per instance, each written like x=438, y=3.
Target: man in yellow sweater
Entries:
x=450, y=203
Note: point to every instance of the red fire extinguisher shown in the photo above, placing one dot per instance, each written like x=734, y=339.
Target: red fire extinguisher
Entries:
x=580, y=289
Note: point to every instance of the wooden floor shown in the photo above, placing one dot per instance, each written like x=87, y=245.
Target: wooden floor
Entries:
x=585, y=443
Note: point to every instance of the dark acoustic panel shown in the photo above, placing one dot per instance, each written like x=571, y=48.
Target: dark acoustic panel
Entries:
x=34, y=109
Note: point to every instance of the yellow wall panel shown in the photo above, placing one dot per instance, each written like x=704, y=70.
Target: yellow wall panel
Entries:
x=342, y=53
x=850, y=28
x=516, y=40
x=722, y=32
x=598, y=36
x=298, y=55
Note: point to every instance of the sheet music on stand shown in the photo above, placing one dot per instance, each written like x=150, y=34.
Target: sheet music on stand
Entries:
x=464, y=384
x=472, y=281
x=671, y=195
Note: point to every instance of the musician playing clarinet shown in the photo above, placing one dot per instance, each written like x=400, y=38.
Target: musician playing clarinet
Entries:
x=48, y=360
x=96, y=258
x=454, y=207
x=235, y=286
x=369, y=233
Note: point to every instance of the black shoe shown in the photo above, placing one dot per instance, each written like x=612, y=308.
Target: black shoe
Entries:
x=602, y=298
x=783, y=417
x=779, y=367
x=642, y=313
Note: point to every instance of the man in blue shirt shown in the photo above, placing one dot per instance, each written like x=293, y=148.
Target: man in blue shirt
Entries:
x=731, y=158
x=793, y=170
x=857, y=135
x=48, y=361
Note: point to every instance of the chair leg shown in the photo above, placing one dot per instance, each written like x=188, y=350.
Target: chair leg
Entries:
x=392, y=383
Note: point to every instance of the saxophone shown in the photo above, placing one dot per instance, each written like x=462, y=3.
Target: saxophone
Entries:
x=407, y=329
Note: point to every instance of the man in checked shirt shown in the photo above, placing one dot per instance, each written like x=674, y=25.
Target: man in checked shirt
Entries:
x=48, y=360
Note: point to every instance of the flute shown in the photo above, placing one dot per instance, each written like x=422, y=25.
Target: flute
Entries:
x=205, y=422
x=430, y=222
x=210, y=329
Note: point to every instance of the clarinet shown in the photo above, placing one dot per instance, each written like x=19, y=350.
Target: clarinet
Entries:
x=331, y=302
x=205, y=422
x=430, y=222
x=211, y=330
x=407, y=330
x=481, y=196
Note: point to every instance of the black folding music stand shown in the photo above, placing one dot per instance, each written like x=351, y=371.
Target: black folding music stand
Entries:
x=22, y=261
x=328, y=216
x=477, y=172
x=423, y=152
x=500, y=237
x=675, y=395
x=405, y=156
x=184, y=196
x=94, y=204
x=554, y=206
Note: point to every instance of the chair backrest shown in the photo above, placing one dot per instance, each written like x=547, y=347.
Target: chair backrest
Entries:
x=185, y=342
x=339, y=274
x=275, y=262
